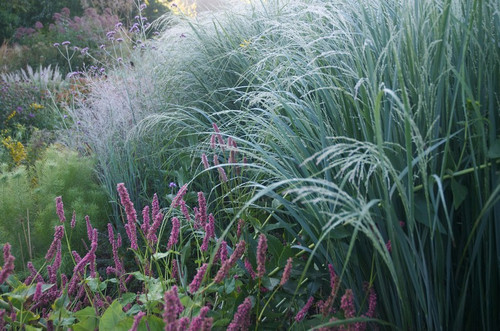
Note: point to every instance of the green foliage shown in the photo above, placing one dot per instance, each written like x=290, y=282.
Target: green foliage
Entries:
x=28, y=208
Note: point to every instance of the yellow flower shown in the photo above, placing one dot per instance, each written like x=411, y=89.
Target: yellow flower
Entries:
x=10, y=116
x=36, y=106
x=245, y=43
x=16, y=149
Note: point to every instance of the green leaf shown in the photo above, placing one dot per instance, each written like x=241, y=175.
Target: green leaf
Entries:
x=459, y=193
x=31, y=328
x=229, y=286
x=112, y=317
x=87, y=319
x=127, y=298
x=221, y=322
x=158, y=256
x=494, y=150
x=154, y=323
x=270, y=283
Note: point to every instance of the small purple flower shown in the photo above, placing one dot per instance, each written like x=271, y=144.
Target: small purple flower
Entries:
x=119, y=59
x=38, y=25
x=110, y=34
x=56, y=45
x=119, y=40
x=142, y=6
x=31, y=115
x=172, y=185
x=195, y=284
x=118, y=25
x=65, y=43
x=84, y=50
x=102, y=46
x=19, y=109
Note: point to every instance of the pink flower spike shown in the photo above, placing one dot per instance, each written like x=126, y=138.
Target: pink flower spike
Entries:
x=241, y=224
x=249, y=268
x=347, y=304
x=73, y=220
x=212, y=141
x=137, y=320
x=58, y=234
x=196, y=283
x=179, y=196
x=60, y=209
x=145, y=220
x=131, y=215
x=174, y=234
x=204, y=159
x=89, y=227
x=219, y=136
x=198, y=321
x=185, y=211
x=286, y=272
x=209, y=232
x=261, y=255
x=202, y=210
x=241, y=320
x=302, y=313
x=8, y=266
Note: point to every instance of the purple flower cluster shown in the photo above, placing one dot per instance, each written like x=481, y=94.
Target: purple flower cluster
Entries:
x=179, y=196
x=58, y=234
x=174, y=234
x=60, y=209
x=195, y=284
x=228, y=264
x=302, y=313
x=286, y=272
x=130, y=227
x=209, y=232
x=261, y=255
x=241, y=319
x=221, y=253
x=249, y=268
x=8, y=263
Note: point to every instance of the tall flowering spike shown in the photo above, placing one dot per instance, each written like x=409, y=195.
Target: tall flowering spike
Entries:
x=8, y=263
x=286, y=272
x=34, y=274
x=55, y=266
x=182, y=323
x=58, y=234
x=131, y=215
x=333, y=277
x=151, y=236
x=145, y=220
x=207, y=324
x=261, y=255
x=174, y=234
x=73, y=220
x=195, y=284
x=219, y=136
x=372, y=302
x=224, y=269
x=155, y=206
x=137, y=320
x=172, y=307
x=241, y=224
x=209, y=232
x=212, y=141
x=38, y=291
x=302, y=313
x=204, y=160
x=185, y=211
x=197, y=322
x=179, y=196
x=175, y=270
x=347, y=304
x=249, y=268
x=202, y=209
x=60, y=209
x=241, y=320
x=90, y=230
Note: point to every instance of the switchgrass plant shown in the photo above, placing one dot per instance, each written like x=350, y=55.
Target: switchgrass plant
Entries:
x=375, y=128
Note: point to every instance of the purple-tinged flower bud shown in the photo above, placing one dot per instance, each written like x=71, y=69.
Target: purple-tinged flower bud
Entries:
x=65, y=43
x=222, y=144
x=142, y=6
x=60, y=209
x=224, y=269
x=261, y=255
x=204, y=159
x=56, y=45
x=179, y=196
x=249, y=268
x=174, y=234
x=73, y=220
x=38, y=292
x=102, y=46
x=241, y=224
x=221, y=253
x=241, y=319
x=195, y=284
x=185, y=211
x=131, y=215
x=286, y=272
x=137, y=320
x=302, y=313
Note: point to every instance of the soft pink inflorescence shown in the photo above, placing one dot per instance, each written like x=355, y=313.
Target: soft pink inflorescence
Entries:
x=241, y=319
x=60, y=209
x=137, y=320
x=198, y=321
x=209, y=232
x=241, y=224
x=286, y=272
x=196, y=283
x=204, y=160
x=302, y=313
x=151, y=235
x=145, y=220
x=261, y=255
x=224, y=269
x=219, y=136
x=249, y=268
x=179, y=196
x=73, y=220
x=8, y=263
x=372, y=302
x=347, y=304
x=185, y=211
x=221, y=252
x=155, y=206
x=130, y=227
x=174, y=234
x=58, y=234
x=202, y=211
x=172, y=308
